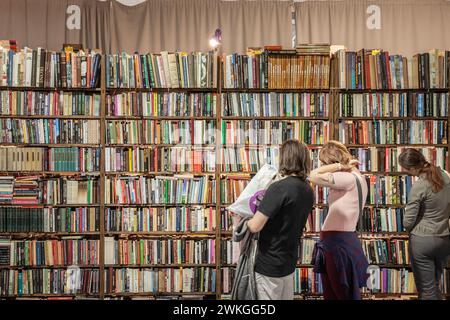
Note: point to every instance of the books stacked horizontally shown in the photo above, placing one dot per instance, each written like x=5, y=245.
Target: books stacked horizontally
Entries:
x=6, y=189
x=26, y=190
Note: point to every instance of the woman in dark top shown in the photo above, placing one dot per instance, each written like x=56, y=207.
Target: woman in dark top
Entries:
x=280, y=219
x=426, y=219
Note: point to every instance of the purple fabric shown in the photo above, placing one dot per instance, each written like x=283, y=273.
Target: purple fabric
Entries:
x=349, y=260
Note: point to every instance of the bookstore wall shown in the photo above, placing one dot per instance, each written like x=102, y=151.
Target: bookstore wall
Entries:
x=116, y=169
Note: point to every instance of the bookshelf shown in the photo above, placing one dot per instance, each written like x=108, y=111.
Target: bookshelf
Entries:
x=307, y=125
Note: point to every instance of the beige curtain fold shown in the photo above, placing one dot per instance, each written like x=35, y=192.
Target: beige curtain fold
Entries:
x=407, y=26
x=95, y=25
x=254, y=24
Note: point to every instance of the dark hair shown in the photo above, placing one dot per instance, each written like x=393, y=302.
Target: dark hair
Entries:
x=413, y=159
x=294, y=159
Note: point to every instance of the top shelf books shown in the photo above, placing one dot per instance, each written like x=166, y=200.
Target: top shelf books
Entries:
x=378, y=70
x=277, y=69
x=163, y=70
x=41, y=68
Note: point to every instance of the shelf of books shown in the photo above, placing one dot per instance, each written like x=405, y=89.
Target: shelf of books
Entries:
x=50, y=107
x=116, y=170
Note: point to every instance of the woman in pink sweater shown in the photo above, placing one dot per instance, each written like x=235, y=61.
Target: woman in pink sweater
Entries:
x=338, y=256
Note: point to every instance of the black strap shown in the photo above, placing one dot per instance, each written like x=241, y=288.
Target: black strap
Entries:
x=360, y=200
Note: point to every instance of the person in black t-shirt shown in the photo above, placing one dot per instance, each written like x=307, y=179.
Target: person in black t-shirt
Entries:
x=280, y=219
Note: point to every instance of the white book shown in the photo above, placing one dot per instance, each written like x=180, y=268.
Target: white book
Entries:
x=166, y=68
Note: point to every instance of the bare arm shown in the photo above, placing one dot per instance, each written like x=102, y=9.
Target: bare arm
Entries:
x=258, y=222
x=322, y=177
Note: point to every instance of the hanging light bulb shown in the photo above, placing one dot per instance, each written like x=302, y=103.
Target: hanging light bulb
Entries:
x=216, y=40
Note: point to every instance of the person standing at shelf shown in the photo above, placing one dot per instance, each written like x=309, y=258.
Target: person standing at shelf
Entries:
x=280, y=219
x=338, y=256
x=426, y=220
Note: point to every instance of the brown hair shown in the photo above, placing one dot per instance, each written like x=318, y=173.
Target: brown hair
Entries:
x=413, y=159
x=334, y=152
x=294, y=159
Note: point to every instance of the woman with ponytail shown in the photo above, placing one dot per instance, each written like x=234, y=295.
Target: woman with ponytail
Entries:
x=426, y=219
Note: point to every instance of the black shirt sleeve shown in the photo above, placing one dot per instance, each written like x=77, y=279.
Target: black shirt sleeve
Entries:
x=272, y=201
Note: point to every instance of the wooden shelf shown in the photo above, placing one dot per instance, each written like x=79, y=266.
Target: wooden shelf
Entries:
x=48, y=205
x=108, y=205
x=50, y=145
x=160, y=145
x=160, y=266
x=393, y=118
x=284, y=118
x=161, y=233
x=278, y=90
x=43, y=295
x=159, y=294
x=31, y=234
x=49, y=267
x=345, y=90
x=50, y=117
x=14, y=88
x=157, y=173
x=162, y=90
x=393, y=145
x=160, y=118
x=52, y=173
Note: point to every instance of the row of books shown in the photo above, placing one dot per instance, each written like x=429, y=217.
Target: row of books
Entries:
x=384, y=251
x=405, y=104
x=163, y=70
x=382, y=220
x=382, y=190
x=159, y=251
x=64, y=252
x=17, y=219
x=176, y=219
x=49, y=131
x=161, y=132
x=162, y=104
x=384, y=281
x=377, y=69
x=69, y=191
x=393, y=132
x=160, y=159
x=276, y=69
x=160, y=190
x=49, y=282
x=379, y=159
x=265, y=132
x=273, y=104
x=372, y=220
x=248, y=159
x=42, y=68
x=378, y=251
x=49, y=159
x=53, y=103
x=5, y=251
x=165, y=280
